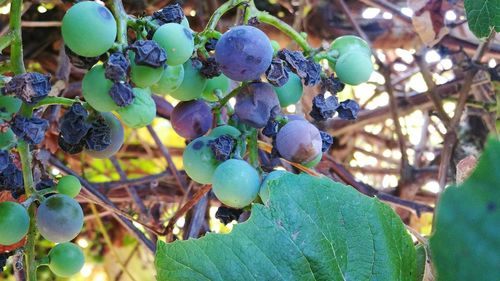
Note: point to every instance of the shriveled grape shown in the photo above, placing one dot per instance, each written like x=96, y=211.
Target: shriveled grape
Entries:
x=117, y=137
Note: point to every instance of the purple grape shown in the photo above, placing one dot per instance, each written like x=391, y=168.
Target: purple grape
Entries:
x=244, y=53
x=299, y=141
x=191, y=119
x=256, y=103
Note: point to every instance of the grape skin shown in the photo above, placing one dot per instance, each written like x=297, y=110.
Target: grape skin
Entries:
x=348, y=43
x=66, y=259
x=177, y=41
x=191, y=119
x=291, y=92
x=59, y=218
x=220, y=82
x=264, y=187
x=354, y=68
x=299, y=142
x=117, y=138
x=88, y=29
x=199, y=161
x=244, y=53
x=192, y=85
x=69, y=185
x=14, y=223
x=144, y=76
x=8, y=107
x=236, y=183
x=255, y=103
x=170, y=80
x=95, y=89
x=141, y=111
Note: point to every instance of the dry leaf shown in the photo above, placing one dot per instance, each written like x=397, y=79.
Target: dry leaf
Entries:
x=428, y=20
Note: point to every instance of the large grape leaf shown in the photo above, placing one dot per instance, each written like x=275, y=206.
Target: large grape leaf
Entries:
x=466, y=243
x=311, y=229
x=483, y=16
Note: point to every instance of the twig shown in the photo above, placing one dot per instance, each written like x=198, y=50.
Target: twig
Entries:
x=130, y=189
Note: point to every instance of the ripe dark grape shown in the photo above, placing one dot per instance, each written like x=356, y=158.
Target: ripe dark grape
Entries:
x=256, y=103
x=66, y=259
x=177, y=41
x=88, y=29
x=141, y=111
x=191, y=119
x=244, y=53
x=299, y=141
x=193, y=83
x=236, y=183
x=117, y=138
x=199, y=161
x=95, y=89
x=59, y=218
x=14, y=223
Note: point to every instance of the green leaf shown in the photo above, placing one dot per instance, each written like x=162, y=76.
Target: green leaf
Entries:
x=483, y=16
x=466, y=243
x=311, y=229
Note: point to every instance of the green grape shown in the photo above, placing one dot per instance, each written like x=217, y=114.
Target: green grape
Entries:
x=143, y=76
x=59, y=218
x=199, y=161
x=95, y=89
x=276, y=47
x=69, y=185
x=8, y=107
x=170, y=80
x=354, y=68
x=291, y=92
x=348, y=43
x=117, y=137
x=14, y=223
x=224, y=130
x=236, y=183
x=185, y=23
x=264, y=187
x=7, y=139
x=66, y=259
x=313, y=162
x=192, y=85
x=88, y=29
x=177, y=40
x=220, y=82
x=141, y=111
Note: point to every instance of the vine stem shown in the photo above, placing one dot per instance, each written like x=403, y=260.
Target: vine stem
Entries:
x=121, y=22
x=17, y=66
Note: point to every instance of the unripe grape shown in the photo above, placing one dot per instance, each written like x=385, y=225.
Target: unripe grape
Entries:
x=177, y=40
x=220, y=82
x=8, y=107
x=95, y=89
x=144, y=76
x=69, y=185
x=170, y=80
x=88, y=29
x=199, y=160
x=14, y=223
x=291, y=92
x=59, y=218
x=191, y=119
x=66, y=259
x=348, y=43
x=354, y=68
x=117, y=136
x=236, y=183
x=264, y=187
x=313, y=162
x=141, y=111
x=299, y=141
x=225, y=130
x=192, y=85
x=244, y=53
x=276, y=47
